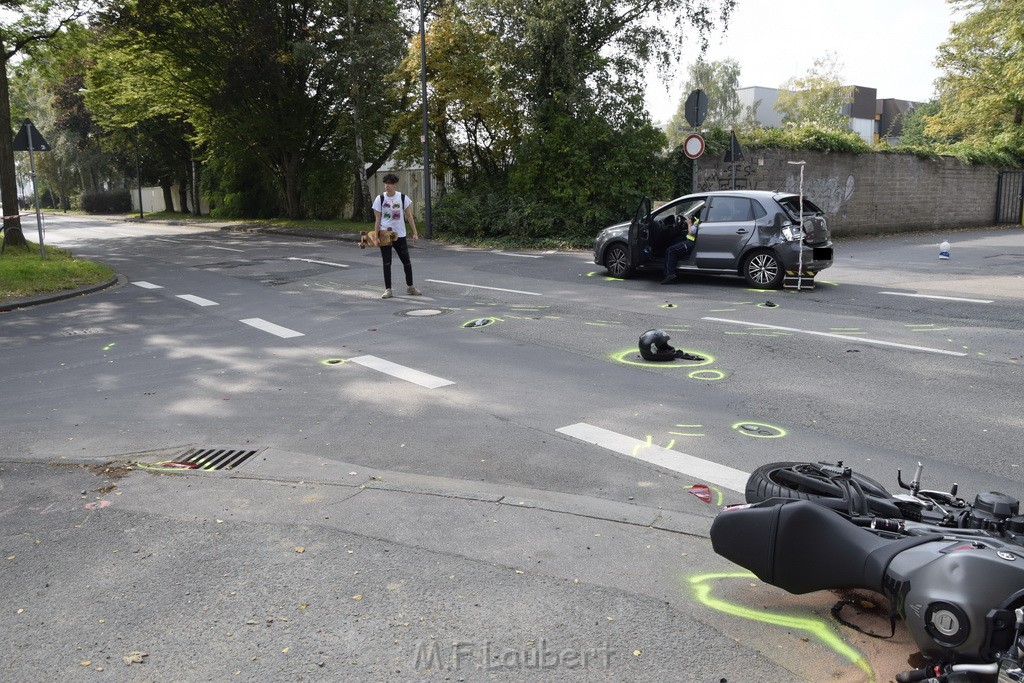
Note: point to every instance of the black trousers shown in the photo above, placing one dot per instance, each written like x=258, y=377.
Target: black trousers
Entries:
x=402, y=247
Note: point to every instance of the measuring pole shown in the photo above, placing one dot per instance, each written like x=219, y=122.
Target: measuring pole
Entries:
x=800, y=256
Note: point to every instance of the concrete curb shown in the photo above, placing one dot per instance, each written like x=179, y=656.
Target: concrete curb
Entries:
x=12, y=304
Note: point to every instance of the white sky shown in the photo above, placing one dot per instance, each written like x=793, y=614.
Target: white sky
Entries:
x=889, y=45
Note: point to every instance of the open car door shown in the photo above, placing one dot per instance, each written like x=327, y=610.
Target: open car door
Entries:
x=640, y=235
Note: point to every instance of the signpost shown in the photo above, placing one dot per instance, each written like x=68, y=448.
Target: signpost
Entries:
x=734, y=156
x=695, y=110
x=29, y=140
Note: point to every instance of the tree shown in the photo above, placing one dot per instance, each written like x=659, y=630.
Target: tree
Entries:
x=981, y=90
x=35, y=22
x=816, y=98
x=264, y=84
x=719, y=81
x=557, y=127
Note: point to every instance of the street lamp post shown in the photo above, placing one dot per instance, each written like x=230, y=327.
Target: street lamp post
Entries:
x=426, y=129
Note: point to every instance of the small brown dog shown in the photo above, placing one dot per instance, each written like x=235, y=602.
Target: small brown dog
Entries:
x=366, y=239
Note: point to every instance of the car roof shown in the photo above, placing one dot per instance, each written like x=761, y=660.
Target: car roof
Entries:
x=752, y=194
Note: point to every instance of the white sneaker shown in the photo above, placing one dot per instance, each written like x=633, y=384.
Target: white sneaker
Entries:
x=387, y=294
x=412, y=290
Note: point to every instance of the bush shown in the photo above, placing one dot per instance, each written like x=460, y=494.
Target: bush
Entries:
x=114, y=201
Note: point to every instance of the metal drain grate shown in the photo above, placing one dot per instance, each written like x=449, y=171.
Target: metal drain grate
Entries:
x=216, y=458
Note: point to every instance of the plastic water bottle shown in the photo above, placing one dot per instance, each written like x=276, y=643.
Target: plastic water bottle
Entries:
x=944, y=250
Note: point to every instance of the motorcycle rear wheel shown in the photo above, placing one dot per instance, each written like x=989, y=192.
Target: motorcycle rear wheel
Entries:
x=805, y=481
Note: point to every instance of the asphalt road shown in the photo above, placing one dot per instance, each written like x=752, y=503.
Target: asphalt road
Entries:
x=432, y=498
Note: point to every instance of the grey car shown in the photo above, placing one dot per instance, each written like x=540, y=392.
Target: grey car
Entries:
x=759, y=235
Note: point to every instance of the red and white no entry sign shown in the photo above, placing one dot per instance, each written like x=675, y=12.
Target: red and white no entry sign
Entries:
x=693, y=146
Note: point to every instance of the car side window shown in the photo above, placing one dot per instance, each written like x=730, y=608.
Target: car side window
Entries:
x=729, y=210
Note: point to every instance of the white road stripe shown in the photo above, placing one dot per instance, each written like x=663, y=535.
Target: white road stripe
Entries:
x=322, y=263
x=944, y=298
x=708, y=471
x=241, y=251
x=505, y=253
x=401, y=372
x=261, y=324
x=496, y=289
x=147, y=285
x=197, y=300
x=864, y=340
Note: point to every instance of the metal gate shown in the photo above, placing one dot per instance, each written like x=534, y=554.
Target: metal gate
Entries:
x=1010, y=197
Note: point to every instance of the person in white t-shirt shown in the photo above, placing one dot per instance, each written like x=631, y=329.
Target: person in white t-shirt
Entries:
x=392, y=210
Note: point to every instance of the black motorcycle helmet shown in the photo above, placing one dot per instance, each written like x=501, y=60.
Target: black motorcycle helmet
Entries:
x=654, y=346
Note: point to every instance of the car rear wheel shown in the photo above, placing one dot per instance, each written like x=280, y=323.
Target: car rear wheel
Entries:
x=616, y=260
x=763, y=270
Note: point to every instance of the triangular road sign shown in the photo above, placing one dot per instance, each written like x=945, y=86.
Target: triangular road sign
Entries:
x=735, y=153
x=21, y=140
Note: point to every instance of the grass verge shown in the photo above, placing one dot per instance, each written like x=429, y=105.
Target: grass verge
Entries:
x=26, y=273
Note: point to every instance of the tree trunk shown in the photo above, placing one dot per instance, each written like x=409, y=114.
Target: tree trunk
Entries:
x=13, y=236
x=183, y=191
x=165, y=185
x=290, y=177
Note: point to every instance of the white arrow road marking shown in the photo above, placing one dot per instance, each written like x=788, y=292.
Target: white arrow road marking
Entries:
x=261, y=324
x=863, y=340
x=401, y=372
x=198, y=300
x=708, y=471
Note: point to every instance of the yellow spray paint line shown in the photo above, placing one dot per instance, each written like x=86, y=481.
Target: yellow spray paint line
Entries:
x=701, y=587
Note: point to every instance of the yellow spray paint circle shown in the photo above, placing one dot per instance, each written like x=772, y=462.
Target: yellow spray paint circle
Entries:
x=759, y=430
x=333, y=361
x=621, y=357
x=708, y=375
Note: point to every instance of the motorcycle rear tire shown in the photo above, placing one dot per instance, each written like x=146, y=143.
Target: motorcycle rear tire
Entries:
x=780, y=480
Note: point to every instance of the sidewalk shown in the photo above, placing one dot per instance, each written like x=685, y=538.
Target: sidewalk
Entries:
x=294, y=568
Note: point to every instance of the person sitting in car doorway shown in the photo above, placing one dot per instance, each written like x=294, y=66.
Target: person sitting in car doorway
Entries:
x=681, y=249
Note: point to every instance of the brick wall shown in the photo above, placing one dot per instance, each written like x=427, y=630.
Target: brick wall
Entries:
x=868, y=193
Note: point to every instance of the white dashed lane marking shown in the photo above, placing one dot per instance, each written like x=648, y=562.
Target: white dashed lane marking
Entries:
x=198, y=300
x=401, y=372
x=147, y=285
x=861, y=340
x=943, y=298
x=496, y=289
x=322, y=263
x=711, y=472
x=261, y=324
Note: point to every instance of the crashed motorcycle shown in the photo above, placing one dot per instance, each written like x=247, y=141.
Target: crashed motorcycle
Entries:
x=952, y=571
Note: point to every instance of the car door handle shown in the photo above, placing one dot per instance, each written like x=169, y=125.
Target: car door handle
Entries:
x=741, y=231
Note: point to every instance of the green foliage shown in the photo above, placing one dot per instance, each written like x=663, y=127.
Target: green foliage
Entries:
x=719, y=81
x=237, y=188
x=817, y=98
x=981, y=91
x=26, y=273
x=113, y=201
x=805, y=137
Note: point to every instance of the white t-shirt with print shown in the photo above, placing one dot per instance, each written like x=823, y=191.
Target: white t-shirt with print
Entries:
x=392, y=212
